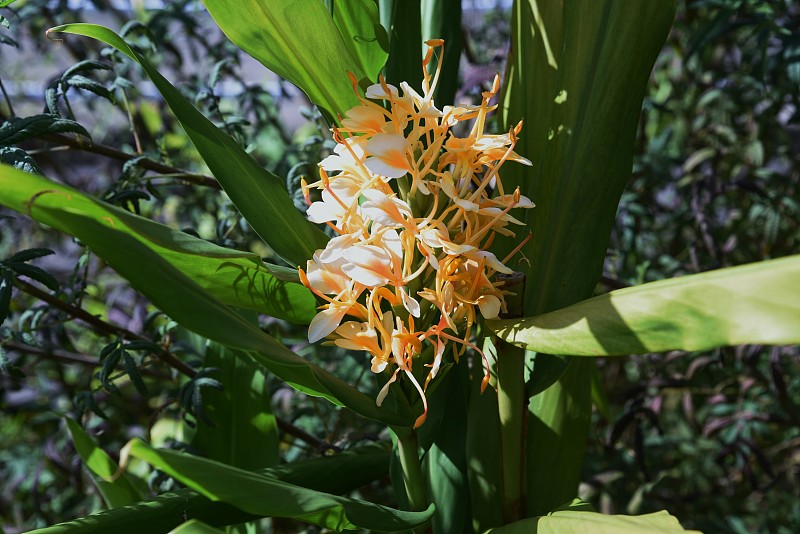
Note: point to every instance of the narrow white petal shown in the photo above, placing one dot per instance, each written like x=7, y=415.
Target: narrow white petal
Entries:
x=365, y=276
x=409, y=303
x=381, y=168
x=325, y=322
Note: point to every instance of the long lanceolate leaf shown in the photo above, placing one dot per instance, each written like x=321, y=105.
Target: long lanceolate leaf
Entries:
x=581, y=120
x=236, y=278
x=305, y=43
x=115, y=492
x=262, y=495
x=757, y=303
x=338, y=474
x=195, y=308
x=258, y=194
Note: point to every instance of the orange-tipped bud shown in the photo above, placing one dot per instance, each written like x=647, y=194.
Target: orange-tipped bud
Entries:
x=354, y=82
x=304, y=188
x=303, y=278
x=386, y=90
x=420, y=420
x=496, y=84
x=485, y=382
x=435, y=42
x=323, y=177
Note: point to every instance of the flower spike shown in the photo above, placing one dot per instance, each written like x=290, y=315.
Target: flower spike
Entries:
x=415, y=209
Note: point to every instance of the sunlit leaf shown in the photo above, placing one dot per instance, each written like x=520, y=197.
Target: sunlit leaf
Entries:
x=338, y=474
x=300, y=41
x=757, y=304
x=196, y=527
x=578, y=522
x=265, y=496
x=236, y=278
x=189, y=304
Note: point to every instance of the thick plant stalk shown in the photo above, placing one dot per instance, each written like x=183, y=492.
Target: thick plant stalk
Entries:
x=512, y=407
x=412, y=470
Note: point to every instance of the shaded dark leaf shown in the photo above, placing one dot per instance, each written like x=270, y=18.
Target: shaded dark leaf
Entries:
x=29, y=254
x=35, y=273
x=129, y=364
x=19, y=159
x=6, y=283
x=86, y=84
x=16, y=129
x=85, y=66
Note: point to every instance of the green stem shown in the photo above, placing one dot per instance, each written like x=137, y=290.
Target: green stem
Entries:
x=513, y=409
x=412, y=469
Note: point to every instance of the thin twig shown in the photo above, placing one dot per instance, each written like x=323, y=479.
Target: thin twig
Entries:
x=64, y=356
x=130, y=121
x=102, y=326
x=145, y=163
x=613, y=283
x=8, y=100
x=301, y=434
x=52, y=354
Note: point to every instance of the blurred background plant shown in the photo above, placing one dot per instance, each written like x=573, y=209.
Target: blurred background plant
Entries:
x=713, y=437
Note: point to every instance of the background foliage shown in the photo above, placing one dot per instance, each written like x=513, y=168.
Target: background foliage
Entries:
x=714, y=437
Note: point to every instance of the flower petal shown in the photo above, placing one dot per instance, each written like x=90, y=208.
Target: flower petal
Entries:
x=325, y=322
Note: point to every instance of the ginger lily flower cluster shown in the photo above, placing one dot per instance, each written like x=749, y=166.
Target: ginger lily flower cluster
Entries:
x=414, y=209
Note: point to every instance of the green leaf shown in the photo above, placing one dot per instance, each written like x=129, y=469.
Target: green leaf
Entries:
x=341, y=473
x=445, y=464
x=236, y=278
x=262, y=495
x=194, y=526
x=556, y=438
x=258, y=194
x=245, y=433
x=547, y=369
x=19, y=159
x=581, y=124
x=441, y=19
x=403, y=23
x=364, y=37
x=193, y=307
x=568, y=522
x=6, y=284
x=115, y=492
x=35, y=273
x=483, y=450
x=757, y=303
x=86, y=84
x=599, y=397
x=29, y=254
x=300, y=41
x=18, y=129
x=582, y=119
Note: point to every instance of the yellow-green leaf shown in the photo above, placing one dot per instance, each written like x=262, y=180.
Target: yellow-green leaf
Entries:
x=757, y=303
